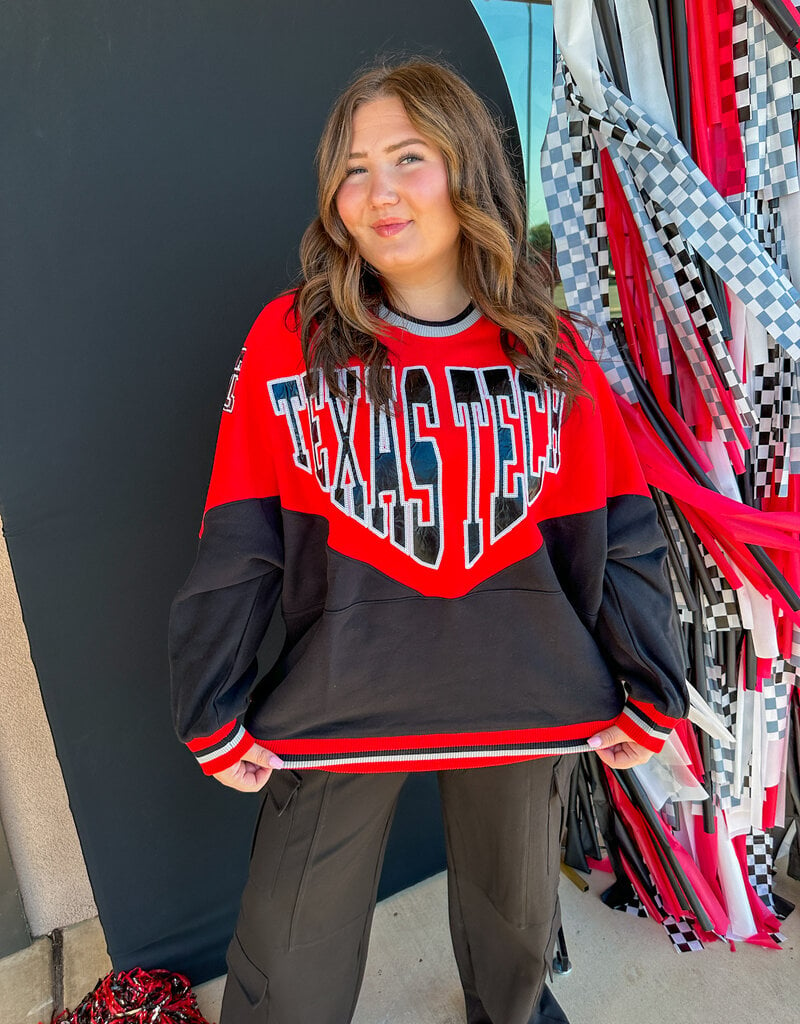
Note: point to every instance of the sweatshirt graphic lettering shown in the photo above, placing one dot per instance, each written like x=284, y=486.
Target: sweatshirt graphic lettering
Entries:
x=362, y=472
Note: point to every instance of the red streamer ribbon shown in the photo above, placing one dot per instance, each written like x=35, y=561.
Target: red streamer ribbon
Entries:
x=137, y=997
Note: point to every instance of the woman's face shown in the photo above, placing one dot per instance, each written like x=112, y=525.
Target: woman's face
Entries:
x=395, y=201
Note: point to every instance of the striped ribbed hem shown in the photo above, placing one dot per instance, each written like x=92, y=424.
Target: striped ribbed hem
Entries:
x=646, y=724
x=222, y=749
x=425, y=760
x=433, y=752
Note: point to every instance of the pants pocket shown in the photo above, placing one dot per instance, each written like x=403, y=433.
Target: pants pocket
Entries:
x=557, y=815
x=273, y=829
x=247, y=987
x=562, y=775
x=282, y=786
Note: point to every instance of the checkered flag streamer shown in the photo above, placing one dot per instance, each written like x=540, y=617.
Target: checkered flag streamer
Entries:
x=759, y=865
x=669, y=294
x=577, y=264
x=765, y=386
x=769, y=134
x=777, y=691
x=700, y=306
x=635, y=907
x=661, y=166
x=698, y=314
x=660, y=329
x=723, y=701
x=794, y=419
x=723, y=614
x=763, y=216
x=682, y=935
x=783, y=424
x=709, y=279
x=741, y=65
x=775, y=441
x=586, y=164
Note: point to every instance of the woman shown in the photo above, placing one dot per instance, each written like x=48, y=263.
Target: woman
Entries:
x=419, y=461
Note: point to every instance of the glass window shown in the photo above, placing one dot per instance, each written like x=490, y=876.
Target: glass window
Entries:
x=521, y=32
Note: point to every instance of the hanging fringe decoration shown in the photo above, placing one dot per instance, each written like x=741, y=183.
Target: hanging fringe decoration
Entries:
x=137, y=996
x=674, y=203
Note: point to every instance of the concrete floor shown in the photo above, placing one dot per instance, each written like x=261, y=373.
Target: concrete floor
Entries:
x=29, y=978
x=625, y=969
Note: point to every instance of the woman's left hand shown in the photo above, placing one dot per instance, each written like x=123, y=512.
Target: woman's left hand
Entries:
x=616, y=749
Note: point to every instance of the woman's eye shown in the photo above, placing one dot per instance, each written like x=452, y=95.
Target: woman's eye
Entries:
x=409, y=158
x=353, y=170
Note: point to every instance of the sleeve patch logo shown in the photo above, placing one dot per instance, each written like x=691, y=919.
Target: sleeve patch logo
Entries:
x=231, y=396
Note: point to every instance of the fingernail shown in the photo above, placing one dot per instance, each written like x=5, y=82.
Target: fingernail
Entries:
x=275, y=761
x=595, y=742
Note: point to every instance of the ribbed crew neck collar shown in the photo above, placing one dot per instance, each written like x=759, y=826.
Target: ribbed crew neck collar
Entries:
x=431, y=328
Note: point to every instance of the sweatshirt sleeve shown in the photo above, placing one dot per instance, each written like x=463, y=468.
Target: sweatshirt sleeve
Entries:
x=637, y=626
x=220, y=615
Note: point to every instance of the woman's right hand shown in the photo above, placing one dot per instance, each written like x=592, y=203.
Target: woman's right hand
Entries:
x=252, y=772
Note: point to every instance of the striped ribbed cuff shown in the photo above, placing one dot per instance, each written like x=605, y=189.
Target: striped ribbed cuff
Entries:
x=222, y=749
x=646, y=724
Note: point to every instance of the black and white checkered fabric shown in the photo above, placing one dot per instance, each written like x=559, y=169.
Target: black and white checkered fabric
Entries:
x=659, y=250
x=794, y=418
x=586, y=162
x=635, y=907
x=765, y=394
x=763, y=216
x=776, y=440
x=790, y=425
x=786, y=456
x=661, y=166
x=770, y=142
x=741, y=65
x=684, y=612
x=701, y=312
x=660, y=329
x=686, y=228
x=723, y=700
x=719, y=616
x=777, y=695
x=760, y=871
x=723, y=614
x=578, y=265
x=759, y=865
x=772, y=171
x=683, y=936
x=680, y=931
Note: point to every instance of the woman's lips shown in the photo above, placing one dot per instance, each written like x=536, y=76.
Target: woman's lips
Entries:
x=388, y=228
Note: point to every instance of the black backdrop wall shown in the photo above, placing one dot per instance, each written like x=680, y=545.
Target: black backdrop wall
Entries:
x=157, y=167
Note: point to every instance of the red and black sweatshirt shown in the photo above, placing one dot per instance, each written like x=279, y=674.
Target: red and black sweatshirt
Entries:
x=473, y=579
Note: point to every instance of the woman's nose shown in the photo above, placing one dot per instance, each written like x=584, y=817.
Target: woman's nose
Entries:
x=383, y=191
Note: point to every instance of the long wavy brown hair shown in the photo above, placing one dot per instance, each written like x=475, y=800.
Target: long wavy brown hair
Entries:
x=338, y=299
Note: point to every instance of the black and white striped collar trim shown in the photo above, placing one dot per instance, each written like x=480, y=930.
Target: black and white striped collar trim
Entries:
x=431, y=328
